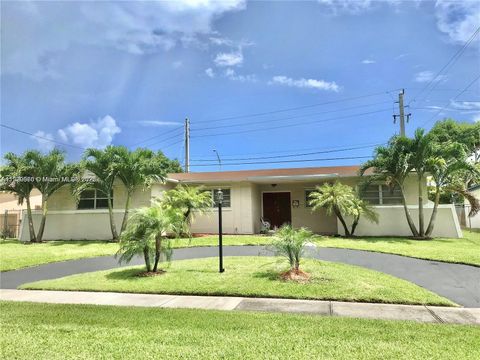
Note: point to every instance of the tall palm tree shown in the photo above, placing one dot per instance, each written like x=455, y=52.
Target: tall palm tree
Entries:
x=336, y=199
x=189, y=199
x=391, y=165
x=146, y=234
x=448, y=164
x=15, y=178
x=100, y=163
x=139, y=168
x=50, y=173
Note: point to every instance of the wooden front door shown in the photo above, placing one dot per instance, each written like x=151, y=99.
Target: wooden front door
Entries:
x=276, y=208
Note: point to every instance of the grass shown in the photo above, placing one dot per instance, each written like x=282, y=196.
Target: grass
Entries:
x=463, y=251
x=17, y=255
x=253, y=277
x=50, y=331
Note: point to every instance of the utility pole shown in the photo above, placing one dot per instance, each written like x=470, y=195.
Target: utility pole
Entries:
x=402, y=113
x=187, y=145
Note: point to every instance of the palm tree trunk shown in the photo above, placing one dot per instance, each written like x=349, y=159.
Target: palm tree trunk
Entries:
x=340, y=217
x=410, y=222
x=112, y=219
x=31, y=229
x=354, y=225
x=421, y=218
x=431, y=223
x=41, y=229
x=125, y=214
x=158, y=246
x=146, y=256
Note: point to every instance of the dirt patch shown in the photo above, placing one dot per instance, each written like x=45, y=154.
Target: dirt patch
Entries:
x=151, y=273
x=295, y=275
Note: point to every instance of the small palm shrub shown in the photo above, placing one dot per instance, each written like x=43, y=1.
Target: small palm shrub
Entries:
x=290, y=243
x=147, y=233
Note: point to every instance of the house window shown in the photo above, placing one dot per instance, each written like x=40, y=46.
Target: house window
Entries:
x=226, y=197
x=94, y=199
x=308, y=198
x=382, y=195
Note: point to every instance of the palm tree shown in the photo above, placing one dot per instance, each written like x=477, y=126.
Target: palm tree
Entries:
x=139, y=168
x=361, y=208
x=391, y=165
x=50, y=173
x=336, y=199
x=448, y=164
x=188, y=199
x=15, y=178
x=100, y=163
x=146, y=234
x=291, y=243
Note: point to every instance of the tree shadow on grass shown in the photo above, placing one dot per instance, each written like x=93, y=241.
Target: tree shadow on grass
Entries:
x=126, y=274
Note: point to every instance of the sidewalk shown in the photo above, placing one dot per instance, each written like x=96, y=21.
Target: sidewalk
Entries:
x=429, y=314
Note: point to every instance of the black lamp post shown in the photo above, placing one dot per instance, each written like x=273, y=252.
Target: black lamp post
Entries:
x=220, y=245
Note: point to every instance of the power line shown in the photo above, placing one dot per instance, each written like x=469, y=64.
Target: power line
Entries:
x=290, y=117
x=163, y=140
x=295, y=155
x=291, y=125
x=294, y=108
x=170, y=145
x=450, y=62
x=455, y=98
x=156, y=136
x=41, y=137
x=288, y=161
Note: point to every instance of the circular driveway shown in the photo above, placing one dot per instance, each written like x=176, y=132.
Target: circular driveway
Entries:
x=459, y=283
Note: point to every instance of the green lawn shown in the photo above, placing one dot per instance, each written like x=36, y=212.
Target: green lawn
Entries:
x=48, y=331
x=16, y=255
x=253, y=277
x=464, y=251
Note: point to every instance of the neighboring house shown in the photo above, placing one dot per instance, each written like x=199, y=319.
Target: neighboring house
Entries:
x=474, y=221
x=11, y=211
x=278, y=195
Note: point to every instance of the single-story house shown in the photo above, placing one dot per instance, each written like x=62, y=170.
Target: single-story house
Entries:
x=11, y=211
x=277, y=195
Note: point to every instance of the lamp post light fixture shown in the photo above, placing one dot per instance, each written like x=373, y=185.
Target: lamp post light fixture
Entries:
x=219, y=196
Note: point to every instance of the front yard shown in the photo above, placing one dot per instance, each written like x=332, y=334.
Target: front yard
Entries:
x=254, y=277
x=47, y=331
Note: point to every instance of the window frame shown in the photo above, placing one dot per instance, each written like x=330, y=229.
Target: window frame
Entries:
x=95, y=198
x=306, y=193
x=381, y=188
x=214, y=200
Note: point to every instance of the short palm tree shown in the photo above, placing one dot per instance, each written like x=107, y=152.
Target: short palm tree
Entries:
x=336, y=199
x=189, y=200
x=147, y=234
x=361, y=208
x=290, y=243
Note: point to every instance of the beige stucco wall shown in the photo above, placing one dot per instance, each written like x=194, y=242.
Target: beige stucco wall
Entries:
x=9, y=201
x=237, y=219
x=73, y=225
x=393, y=222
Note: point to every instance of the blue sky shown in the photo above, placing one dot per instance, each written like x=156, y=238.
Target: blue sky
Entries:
x=91, y=74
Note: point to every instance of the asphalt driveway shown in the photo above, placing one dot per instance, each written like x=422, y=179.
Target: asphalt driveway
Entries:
x=459, y=283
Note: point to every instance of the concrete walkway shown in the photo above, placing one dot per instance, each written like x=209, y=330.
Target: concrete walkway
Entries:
x=459, y=283
x=428, y=314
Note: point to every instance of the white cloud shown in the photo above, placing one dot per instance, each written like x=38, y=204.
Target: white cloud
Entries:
x=158, y=123
x=96, y=134
x=476, y=118
x=232, y=75
x=458, y=19
x=44, y=140
x=350, y=6
x=177, y=64
x=465, y=105
x=209, y=72
x=426, y=76
x=306, y=83
x=229, y=59
x=49, y=28
x=368, y=61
